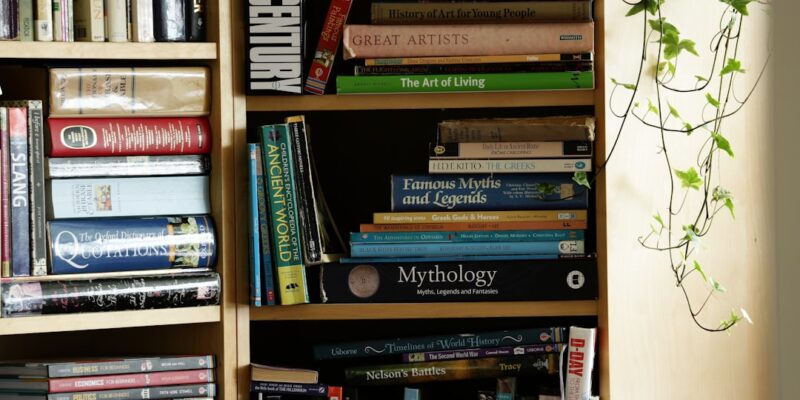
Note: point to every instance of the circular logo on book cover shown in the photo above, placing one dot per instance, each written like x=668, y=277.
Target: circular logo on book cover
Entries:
x=438, y=150
x=78, y=137
x=575, y=279
x=363, y=281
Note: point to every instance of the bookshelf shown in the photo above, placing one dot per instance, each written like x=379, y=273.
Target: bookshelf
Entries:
x=109, y=51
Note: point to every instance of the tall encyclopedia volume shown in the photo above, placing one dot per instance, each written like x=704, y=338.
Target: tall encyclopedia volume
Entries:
x=275, y=48
x=109, y=294
x=123, y=92
x=129, y=244
x=125, y=197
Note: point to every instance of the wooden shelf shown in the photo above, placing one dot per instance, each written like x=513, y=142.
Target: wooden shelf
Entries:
x=545, y=98
x=109, y=51
x=108, y=320
x=424, y=310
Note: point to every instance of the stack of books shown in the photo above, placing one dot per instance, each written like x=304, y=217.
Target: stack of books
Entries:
x=119, y=209
x=499, y=217
x=275, y=383
x=103, y=20
x=118, y=379
x=460, y=46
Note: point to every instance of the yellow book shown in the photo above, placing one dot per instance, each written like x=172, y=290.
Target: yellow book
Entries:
x=478, y=216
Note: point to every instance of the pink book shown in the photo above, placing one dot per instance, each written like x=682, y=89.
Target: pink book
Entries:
x=108, y=382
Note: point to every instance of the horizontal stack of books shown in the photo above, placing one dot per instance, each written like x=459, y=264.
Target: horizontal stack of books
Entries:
x=499, y=217
x=276, y=383
x=424, y=47
x=119, y=209
x=118, y=379
x=103, y=20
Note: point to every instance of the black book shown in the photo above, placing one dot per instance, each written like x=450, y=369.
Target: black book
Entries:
x=275, y=50
x=169, y=20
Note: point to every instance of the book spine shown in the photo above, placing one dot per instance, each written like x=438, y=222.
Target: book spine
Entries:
x=157, y=392
x=128, y=366
x=430, y=217
x=117, y=21
x=465, y=249
x=147, y=91
x=580, y=357
x=37, y=188
x=493, y=59
x=471, y=279
x=142, y=21
x=169, y=20
x=487, y=192
x=327, y=46
x=383, y=70
x=275, y=48
x=517, y=130
x=111, y=294
x=335, y=393
x=463, y=82
x=509, y=166
x=508, y=257
x=88, y=137
x=376, y=41
x=253, y=227
x=195, y=21
x=499, y=12
x=88, y=246
x=89, y=167
x=20, y=194
x=268, y=281
x=494, y=150
x=25, y=19
x=477, y=236
x=306, y=197
x=439, y=342
x=89, y=21
x=287, y=243
x=44, y=21
x=540, y=364
x=13, y=19
x=128, y=197
x=509, y=351
x=475, y=226
x=170, y=378
x=63, y=27
x=5, y=194
x=300, y=389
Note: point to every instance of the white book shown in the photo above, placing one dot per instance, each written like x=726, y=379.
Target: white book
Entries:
x=117, y=20
x=118, y=197
x=580, y=362
x=44, y=21
x=89, y=24
x=63, y=27
x=509, y=166
x=142, y=20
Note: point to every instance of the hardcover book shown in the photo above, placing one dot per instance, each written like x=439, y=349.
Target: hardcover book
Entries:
x=125, y=197
x=123, y=92
x=539, y=129
x=509, y=166
x=306, y=193
x=493, y=59
x=296, y=389
x=491, y=280
x=430, y=217
x=473, y=226
x=170, y=20
x=267, y=276
x=156, y=392
x=129, y=244
x=110, y=294
x=25, y=20
x=130, y=381
x=253, y=227
x=5, y=194
x=121, y=166
x=471, y=13
x=89, y=24
x=468, y=236
x=86, y=137
x=461, y=249
x=439, y=342
x=437, y=371
x=502, y=150
x=580, y=363
x=328, y=45
x=507, y=351
x=44, y=21
x=106, y=367
x=142, y=21
x=384, y=70
x=20, y=192
x=487, y=192
x=275, y=46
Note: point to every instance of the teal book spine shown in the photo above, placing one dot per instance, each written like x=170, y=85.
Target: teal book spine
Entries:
x=253, y=226
x=267, y=273
x=464, y=82
x=466, y=236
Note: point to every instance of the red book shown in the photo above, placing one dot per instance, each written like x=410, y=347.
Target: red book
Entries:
x=328, y=43
x=97, y=137
x=109, y=382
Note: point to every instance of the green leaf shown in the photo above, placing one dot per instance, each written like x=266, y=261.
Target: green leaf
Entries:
x=663, y=27
x=673, y=111
x=722, y=143
x=700, y=78
x=671, y=67
x=688, y=45
x=700, y=270
x=729, y=205
x=691, y=236
x=653, y=6
x=688, y=127
x=628, y=86
x=581, y=179
x=652, y=108
x=637, y=8
x=690, y=179
x=733, y=65
x=716, y=285
x=738, y=5
x=711, y=100
x=658, y=219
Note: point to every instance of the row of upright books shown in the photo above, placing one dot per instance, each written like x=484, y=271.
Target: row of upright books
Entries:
x=501, y=365
x=119, y=208
x=168, y=377
x=426, y=47
x=103, y=20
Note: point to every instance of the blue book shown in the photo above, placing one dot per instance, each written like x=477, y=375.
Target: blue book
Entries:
x=483, y=192
x=378, y=260
x=386, y=347
x=131, y=244
x=466, y=236
x=254, y=227
x=465, y=249
x=411, y=394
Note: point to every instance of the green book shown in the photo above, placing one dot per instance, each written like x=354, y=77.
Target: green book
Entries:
x=26, y=20
x=286, y=243
x=464, y=82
